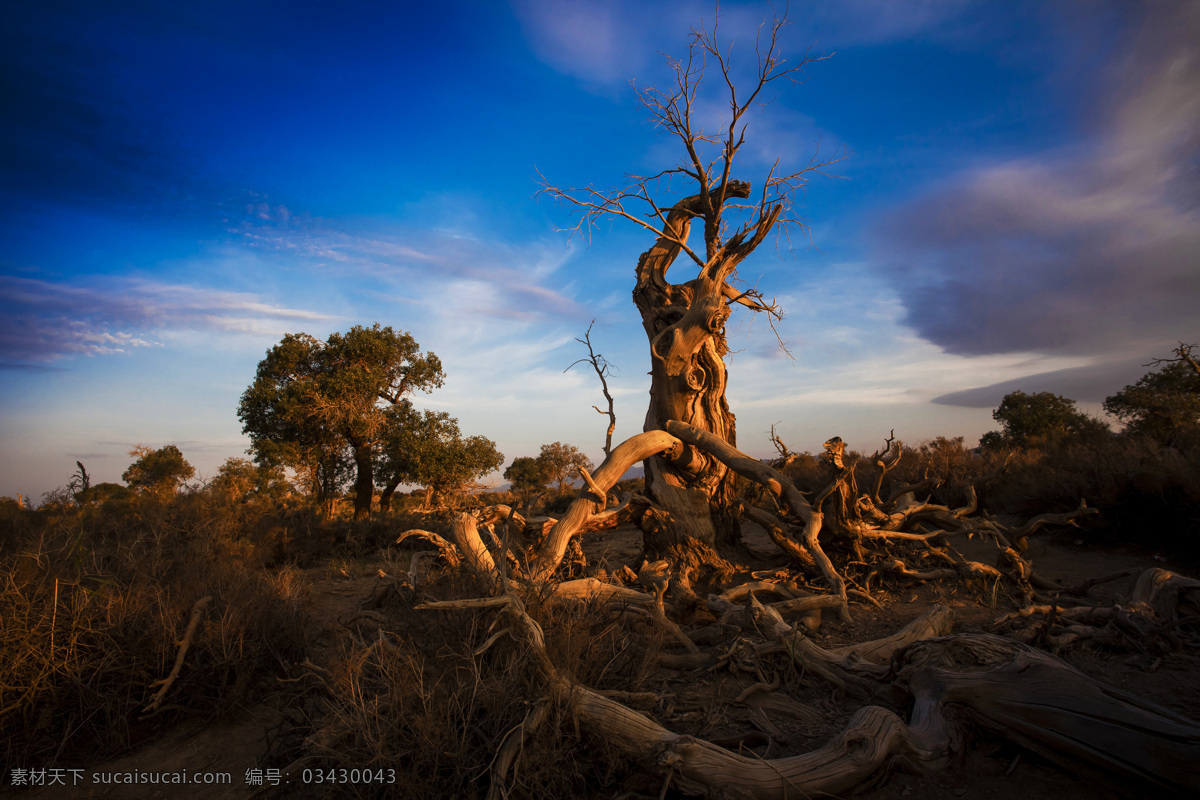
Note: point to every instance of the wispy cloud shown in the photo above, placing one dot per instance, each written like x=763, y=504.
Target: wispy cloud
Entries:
x=610, y=42
x=438, y=266
x=589, y=40
x=1086, y=384
x=855, y=22
x=1085, y=251
x=44, y=321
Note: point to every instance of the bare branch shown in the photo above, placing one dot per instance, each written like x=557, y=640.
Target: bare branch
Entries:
x=673, y=111
x=885, y=466
x=602, y=367
x=597, y=204
x=1183, y=354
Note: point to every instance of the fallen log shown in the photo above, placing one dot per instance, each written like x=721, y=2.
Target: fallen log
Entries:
x=1042, y=703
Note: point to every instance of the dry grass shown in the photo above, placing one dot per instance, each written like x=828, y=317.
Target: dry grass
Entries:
x=93, y=604
x=95, y=599
x=430, y=702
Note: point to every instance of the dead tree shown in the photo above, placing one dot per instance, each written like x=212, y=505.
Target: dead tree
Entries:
x=685, y=321
x=1183, y=354
x=603, y=368
x=992, y=683
x=840, y=541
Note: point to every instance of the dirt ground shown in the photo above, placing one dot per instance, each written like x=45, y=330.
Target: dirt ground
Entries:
x=799, y=717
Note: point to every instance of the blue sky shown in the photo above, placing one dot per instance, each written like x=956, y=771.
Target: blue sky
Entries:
x=1019, y=207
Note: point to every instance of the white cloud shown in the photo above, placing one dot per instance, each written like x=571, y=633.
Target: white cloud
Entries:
x=47, y=320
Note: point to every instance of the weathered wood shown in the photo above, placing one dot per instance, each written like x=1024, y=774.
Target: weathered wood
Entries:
x=779, y=485
x=445, y=548
x=1163, y=590
x=1019, y=535
x=1046, y=705
x=184, y=643
x=623, y=456
x=473, y=550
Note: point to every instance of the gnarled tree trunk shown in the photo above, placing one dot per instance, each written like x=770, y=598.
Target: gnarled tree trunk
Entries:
x=685, y=325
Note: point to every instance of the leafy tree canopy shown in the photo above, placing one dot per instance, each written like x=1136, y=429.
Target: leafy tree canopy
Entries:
x=559, y=462
x=1029, y=419
x=104, y=492
x=526, y=474
x=427, y=448
x=1163, y=404
x=244, y=480
x=312, y=401
x=161, y=470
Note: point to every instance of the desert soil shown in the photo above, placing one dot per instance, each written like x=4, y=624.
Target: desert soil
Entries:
x=803, y=721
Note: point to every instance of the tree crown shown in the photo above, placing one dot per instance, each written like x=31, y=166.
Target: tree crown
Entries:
x=427, y=448
x=1031, y=418
x=312, y=399
x=526, y=474
x=244, y=480
x=1163, y=404
x=158, y=470
x=558, y=462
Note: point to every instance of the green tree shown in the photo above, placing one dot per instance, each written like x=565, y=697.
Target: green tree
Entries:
x=525, y=474
x=243, y=481
x=315, y=404
x=427, y=448
x=992, y=440
x=1029, y=419
x=159, y=471
x=1163, y=404
x=559, y=461
x=106, y=492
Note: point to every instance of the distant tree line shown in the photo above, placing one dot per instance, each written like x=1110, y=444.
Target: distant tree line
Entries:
x=556, y=464
x=1163, y=405
x=338, y=408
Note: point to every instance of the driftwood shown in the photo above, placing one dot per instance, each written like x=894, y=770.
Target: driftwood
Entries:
x=1044, y=704
x=957, y=684
x=999, y=685
x=623, y=456
x=1160, y=602
x=1164, y=591
x=185, y=643
x=445, y=549
x=779, y=486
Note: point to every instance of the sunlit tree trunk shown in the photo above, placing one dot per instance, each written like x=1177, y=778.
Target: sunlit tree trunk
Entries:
x=685, y=325
x=685, y=322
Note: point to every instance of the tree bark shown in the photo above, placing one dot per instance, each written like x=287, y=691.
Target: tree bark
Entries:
x=364, y=482
x=385, y=497
x=685, y=325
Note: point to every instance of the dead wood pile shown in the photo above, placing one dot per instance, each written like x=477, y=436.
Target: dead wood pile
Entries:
x=841, y=547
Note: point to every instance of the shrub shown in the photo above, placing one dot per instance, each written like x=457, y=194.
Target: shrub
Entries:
x=94, y=600
x=432, y=702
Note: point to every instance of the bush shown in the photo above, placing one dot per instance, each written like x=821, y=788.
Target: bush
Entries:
x=1148, y=493
x=94, y=601
x=431, y=702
